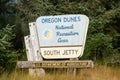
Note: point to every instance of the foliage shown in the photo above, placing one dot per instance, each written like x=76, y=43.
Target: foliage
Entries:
x=103, y=37
x=104, y=22
x=8, y=55
x=7, y=9
x=98, y=73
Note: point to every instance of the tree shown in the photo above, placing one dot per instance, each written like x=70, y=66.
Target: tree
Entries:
x=8, y=56
x=7, y=10
x=103, y=34
x=104, y=21
x=103, y=29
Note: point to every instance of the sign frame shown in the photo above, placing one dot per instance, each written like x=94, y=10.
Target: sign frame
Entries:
x=48, y=44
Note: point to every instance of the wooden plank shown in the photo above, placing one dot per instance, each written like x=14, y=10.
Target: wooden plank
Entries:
x=29, y=49
x=29, y=52
x=55, y=64
x=35, y=42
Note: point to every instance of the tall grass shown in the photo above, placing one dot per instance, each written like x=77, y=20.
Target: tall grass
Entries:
x=98, y=73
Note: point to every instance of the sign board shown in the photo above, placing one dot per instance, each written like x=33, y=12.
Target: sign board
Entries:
x=55, y=64
x=62, y=36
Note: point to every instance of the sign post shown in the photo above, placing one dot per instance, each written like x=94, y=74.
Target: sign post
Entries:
x=33, y=50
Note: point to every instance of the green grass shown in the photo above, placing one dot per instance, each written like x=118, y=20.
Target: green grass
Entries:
x=98, y=73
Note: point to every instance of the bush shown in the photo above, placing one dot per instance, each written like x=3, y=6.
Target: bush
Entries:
x=8, y=55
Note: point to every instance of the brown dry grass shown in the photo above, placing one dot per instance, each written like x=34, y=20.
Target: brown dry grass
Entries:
x=98, y=73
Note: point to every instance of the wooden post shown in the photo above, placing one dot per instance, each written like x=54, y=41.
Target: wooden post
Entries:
x=29, y=49
x=33, y=50
x=29, y=52
x=72, y=71
x=34, y=41
x=36, y=48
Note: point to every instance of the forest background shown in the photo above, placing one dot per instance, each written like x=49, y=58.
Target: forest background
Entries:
x=103, y=38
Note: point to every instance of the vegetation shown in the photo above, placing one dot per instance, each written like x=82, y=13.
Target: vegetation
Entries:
x=103, y=37
x=99, y=73
x=8, y=55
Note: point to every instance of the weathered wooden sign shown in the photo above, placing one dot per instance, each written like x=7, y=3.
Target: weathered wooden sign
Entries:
x=62, y=36
x=55, y=64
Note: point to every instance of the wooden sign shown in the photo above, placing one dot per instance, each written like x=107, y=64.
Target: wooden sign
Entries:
x=55, y=64
x=62, y=36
